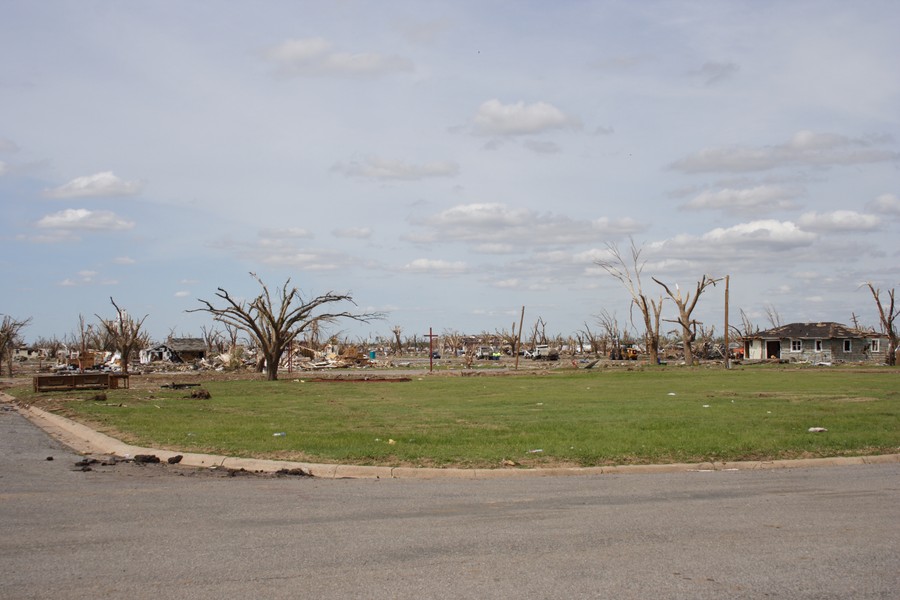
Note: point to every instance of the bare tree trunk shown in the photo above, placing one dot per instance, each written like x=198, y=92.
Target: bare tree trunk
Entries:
x=686, y=305
x=887, y=317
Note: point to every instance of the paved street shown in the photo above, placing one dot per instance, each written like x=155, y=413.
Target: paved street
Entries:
x=159, y=532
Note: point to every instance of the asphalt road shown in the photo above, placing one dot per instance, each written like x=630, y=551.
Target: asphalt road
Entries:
x=157, y=532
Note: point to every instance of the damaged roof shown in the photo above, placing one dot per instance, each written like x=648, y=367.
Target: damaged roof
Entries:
x=186, y=344
x=822, y=331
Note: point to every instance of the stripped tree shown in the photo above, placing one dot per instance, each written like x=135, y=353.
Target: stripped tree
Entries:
x=686, y=304
x=274, y=323
x=10, y=330
x=628, y=272
x=124, y=333
x=887, y=315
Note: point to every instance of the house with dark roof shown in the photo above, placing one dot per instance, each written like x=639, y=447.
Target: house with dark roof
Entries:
x=817, y=342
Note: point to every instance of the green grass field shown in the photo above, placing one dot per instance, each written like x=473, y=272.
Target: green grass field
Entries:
x=564, y=418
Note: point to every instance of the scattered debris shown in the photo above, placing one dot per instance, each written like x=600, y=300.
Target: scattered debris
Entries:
x=49, y=458
x=201, y=394
x=536, y=451
x=101, y=397
x=817, y=430
x=279, y=434
x=145, y=458
x=179, y=386
x=392, y=442
x=174, y=460
x=508, y=463
x=671, y=393
x=297, y=472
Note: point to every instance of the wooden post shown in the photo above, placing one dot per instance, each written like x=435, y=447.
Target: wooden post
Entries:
x=519, y=338
x=430, y=351
x=727, y=362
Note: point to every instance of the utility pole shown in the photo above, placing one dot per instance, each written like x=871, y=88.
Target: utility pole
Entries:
x=431, y=337
x=519, y=338
x=727, y=361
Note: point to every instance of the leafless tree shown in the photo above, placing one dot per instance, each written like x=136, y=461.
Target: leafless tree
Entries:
x=213, y=338
x=612, y=334
x=125, y=333
x=538, y=332
x=398, y=341
x=51, y=345
x=686, y=304
x=10, y=337
x=887, y=315
x=773, y=316
x=592, y=340
x=274, y=322
x=628, y=273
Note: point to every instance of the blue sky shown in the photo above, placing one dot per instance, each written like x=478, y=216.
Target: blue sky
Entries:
x=446, y=162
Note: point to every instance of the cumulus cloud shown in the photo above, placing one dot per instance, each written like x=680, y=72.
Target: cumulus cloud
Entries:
x=85, y=220
x=182, y=294
x=493, y=226
x=753, y=199
x=435, y=267
x=495, y=118
x=747, y=242
x=386, y=169
x=838, y=221
x=103, y=184
x=804, y=149
x=885, y=204
x=315, y=56
x=285, y=251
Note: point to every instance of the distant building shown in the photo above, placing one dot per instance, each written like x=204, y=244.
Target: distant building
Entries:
x=817, y=342
x=176, y=350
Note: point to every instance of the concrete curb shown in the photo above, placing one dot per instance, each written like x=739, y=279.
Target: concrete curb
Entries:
x=84, y=439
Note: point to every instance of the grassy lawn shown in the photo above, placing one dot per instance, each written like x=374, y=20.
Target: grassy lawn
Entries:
x=576, y=418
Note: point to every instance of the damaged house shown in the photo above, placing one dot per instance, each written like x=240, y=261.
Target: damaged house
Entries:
x=176, y=350
x=817, y=343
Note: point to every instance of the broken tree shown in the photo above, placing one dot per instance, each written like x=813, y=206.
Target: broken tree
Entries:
x=275, y=322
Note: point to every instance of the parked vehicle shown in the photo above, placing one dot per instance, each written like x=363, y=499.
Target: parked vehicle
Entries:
x=545, y=352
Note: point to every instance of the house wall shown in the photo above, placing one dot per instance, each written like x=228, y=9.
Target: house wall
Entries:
x=831, y=350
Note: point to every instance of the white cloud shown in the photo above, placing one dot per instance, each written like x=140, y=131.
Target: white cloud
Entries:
x=804, y=149
x=496, y=226
x=749, y=244
x=885, y=204
x=496, y=118
x=100, y=185
x=182, y=294
x=435, y=267
x=124, y=260
x=838, y=221
x=755, y=199
x=86, y=220
x=380, y=168
x=314, y=56
x=357, y=233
